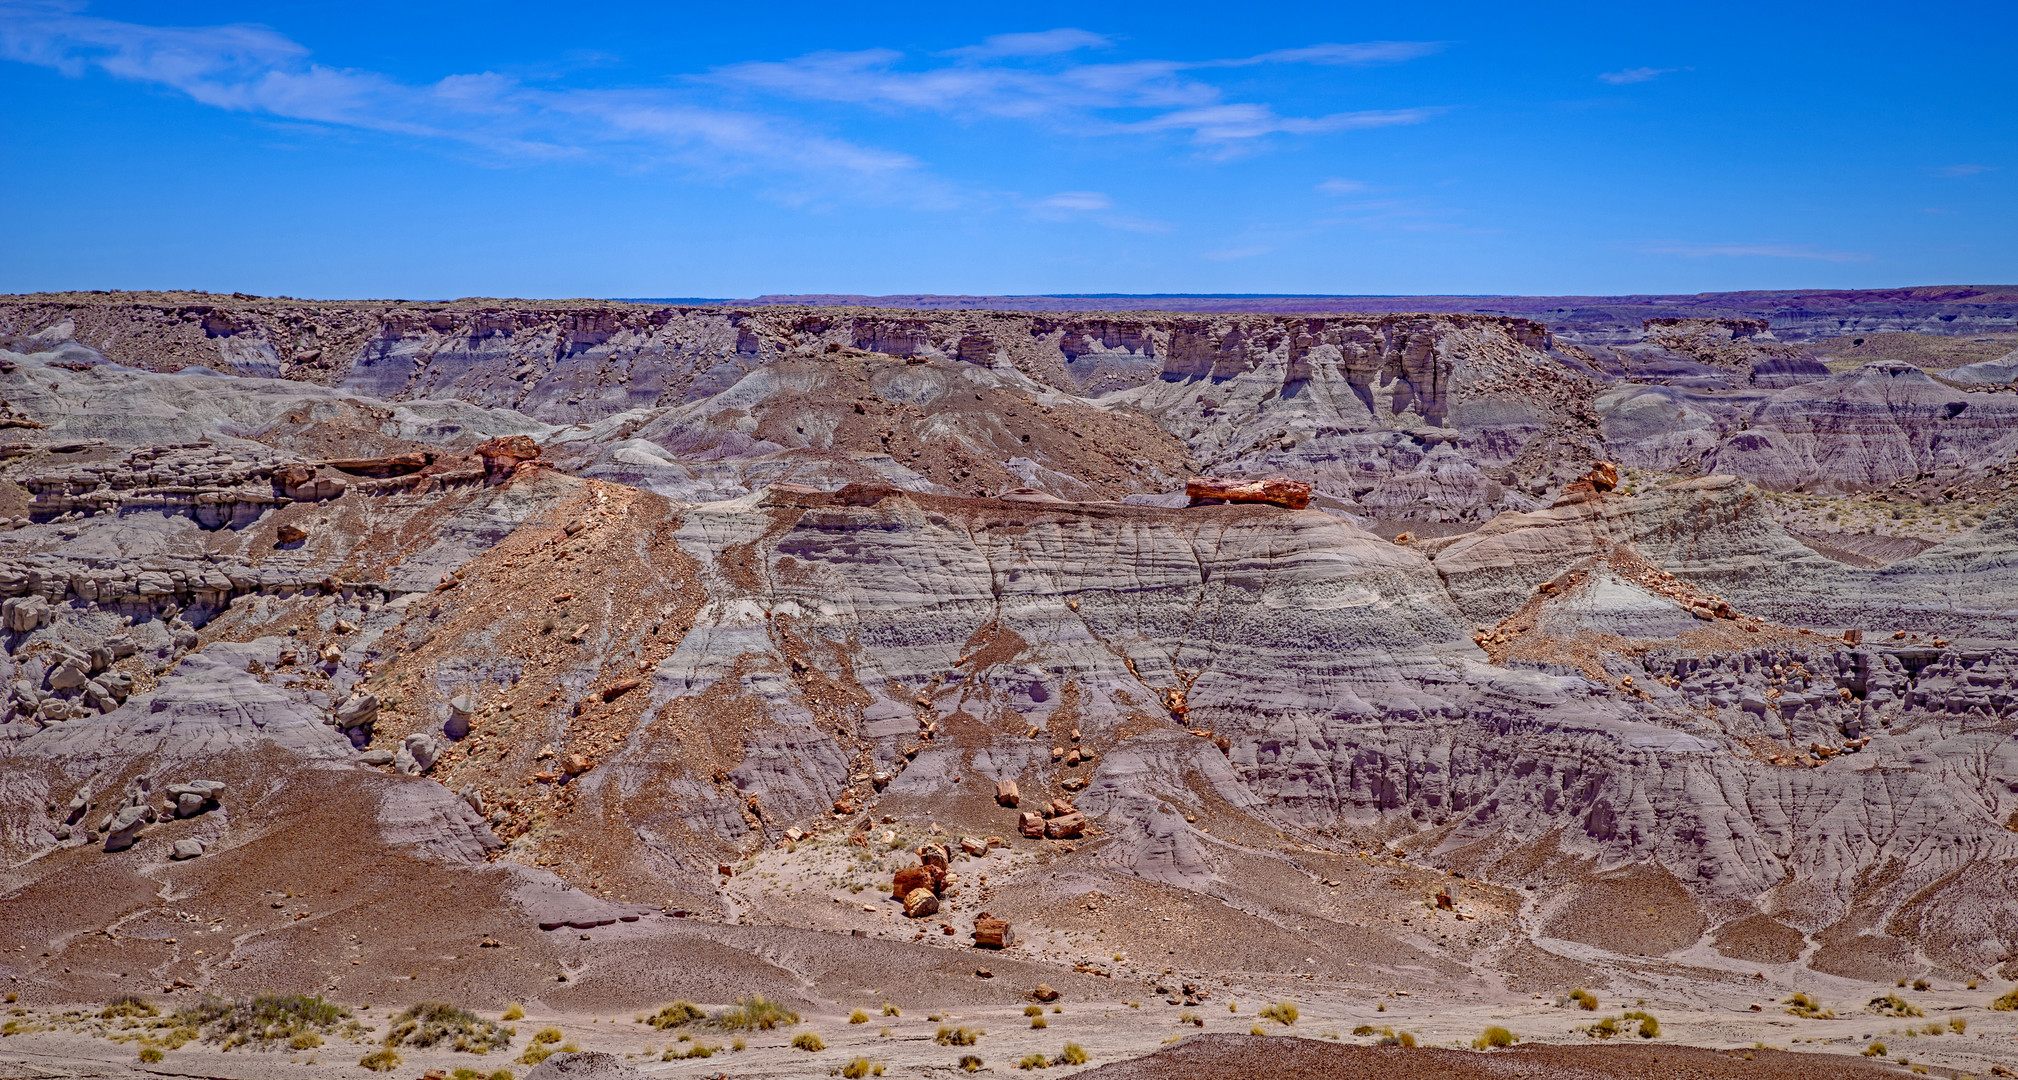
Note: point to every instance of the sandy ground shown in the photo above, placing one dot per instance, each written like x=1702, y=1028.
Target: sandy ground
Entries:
x=71, y=1042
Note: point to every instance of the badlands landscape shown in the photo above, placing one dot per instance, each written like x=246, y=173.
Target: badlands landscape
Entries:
x=590, y=688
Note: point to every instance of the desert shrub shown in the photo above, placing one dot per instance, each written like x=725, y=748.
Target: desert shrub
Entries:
x=1073, y=1054
x=1585, y=1000
x=1395, y=1038
x=1255, y=1030
x=307, y=1040
x=1603, y=1029
x=514, y=1011
x=891, y=1010
x=383, y=1059
x=1363, y=1029
x=1282, y=1012
x=128, y=1005
x=1650, y=1028
x=858, y=1017
x=698, y=1050
x=1493, y=1038
x=1920, y=984
x=150, y=1054
x=1876, y=1049
x=474, y=1074
x=806, y=1040
x=754, y=1013
x=957, y=1036
x=547, y=1035
x=858, y=1068
x=261, y=1021
x=1807, y=1008
x=431, y=1022
x=1033, y=1010
x=1039, y=1022
x=1033, y=1061
x=1958, y=1025
x=675, y=1015
x=738, y=1044
x=1893, y=1005
x=971, y=1062
x=2008, y=1002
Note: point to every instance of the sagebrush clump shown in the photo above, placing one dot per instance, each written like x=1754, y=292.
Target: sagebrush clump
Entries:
x=1807, y=1008
x=433, y=1022
x=1493, y=1038
x=957, y=1036
x=263, y=1021
x=754, y=1013
x=1282, y=1012
x=675, y=1015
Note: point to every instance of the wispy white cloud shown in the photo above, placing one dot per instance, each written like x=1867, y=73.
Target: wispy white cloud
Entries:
x=1957, y=171
x=1041, y=43
x=1340, y=186
x=1084, y=98
x=1357, y=54
x=1094, y=206
x=256, y=70
x=1753, y=250
x=1636, y=75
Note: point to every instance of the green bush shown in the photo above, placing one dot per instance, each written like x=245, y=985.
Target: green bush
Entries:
x=1073, y=1054
x=1650, y=1028
x=675, y=1015
x=262, y=1021
x=432, y=1022
x=383, y=1059
x=1585, y=1000
x=128, y=1005
x=1893, y=1005
x=806, y=1040
x=754, y=1013
x=1807, y=1008
x=1282, y=1012
x=1493, y=1038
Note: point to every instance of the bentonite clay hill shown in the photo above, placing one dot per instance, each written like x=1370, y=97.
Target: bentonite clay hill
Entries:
x=1016, y=679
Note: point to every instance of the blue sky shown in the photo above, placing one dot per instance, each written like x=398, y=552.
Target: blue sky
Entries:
x=376, y=149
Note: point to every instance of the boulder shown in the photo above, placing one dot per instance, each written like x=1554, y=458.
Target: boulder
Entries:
x=186, y=849
x=1044, y=992
x=973, y=845
x=992, y=933
x=503, y=457
x=376, y=757
x=1065, y=826
x=1030, y=824
x=909, y=880
x=920, y=903
x=289, y=533
x=934, y=855
x=25, y=613
x=124, y=827
x=1276, y=491
x=1006, y=794
x=357, y=711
